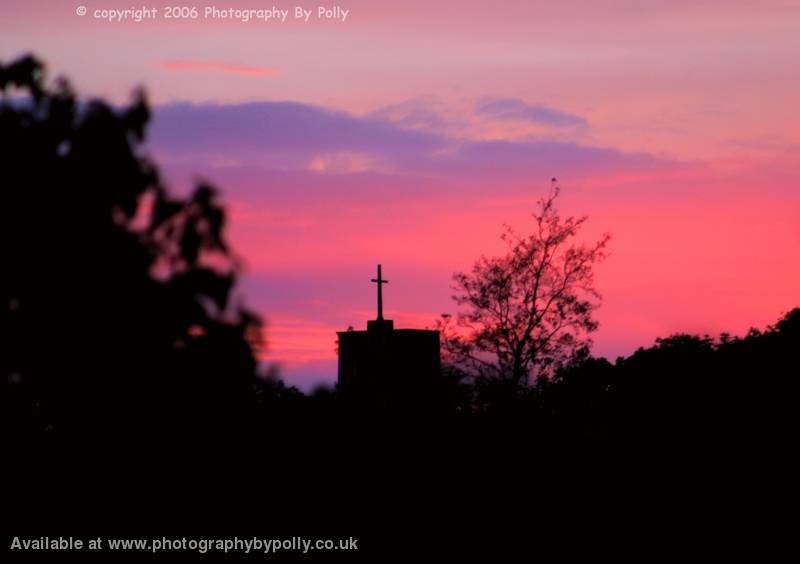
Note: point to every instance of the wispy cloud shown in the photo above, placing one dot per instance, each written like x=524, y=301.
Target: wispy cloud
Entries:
x=427, y=113
x=519, y=110
x=182, y=66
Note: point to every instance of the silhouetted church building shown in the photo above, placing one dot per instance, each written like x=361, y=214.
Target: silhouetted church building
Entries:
x=384, y=365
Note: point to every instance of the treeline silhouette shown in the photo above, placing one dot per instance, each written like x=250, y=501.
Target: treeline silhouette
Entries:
x=134, y=393
x=684, y=389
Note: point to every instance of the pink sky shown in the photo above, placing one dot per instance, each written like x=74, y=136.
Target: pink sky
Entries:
x=410, y=134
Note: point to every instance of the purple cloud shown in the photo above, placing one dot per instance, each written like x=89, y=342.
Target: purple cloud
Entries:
x=286, y=136
x=516, y=109
x=278, y=128
x=426, y=113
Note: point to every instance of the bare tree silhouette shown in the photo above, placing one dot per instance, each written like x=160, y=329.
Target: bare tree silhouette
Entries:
x=530, y=310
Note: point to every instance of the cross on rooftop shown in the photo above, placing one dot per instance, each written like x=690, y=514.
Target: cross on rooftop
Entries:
x=380, y=282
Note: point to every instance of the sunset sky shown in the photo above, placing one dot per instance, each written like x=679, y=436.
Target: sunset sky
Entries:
x=410, y=133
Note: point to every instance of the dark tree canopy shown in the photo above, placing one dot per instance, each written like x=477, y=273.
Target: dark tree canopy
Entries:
x=115, y=307
x=686, y=389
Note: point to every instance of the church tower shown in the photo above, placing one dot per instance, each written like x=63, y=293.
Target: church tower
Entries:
x=384, y=366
